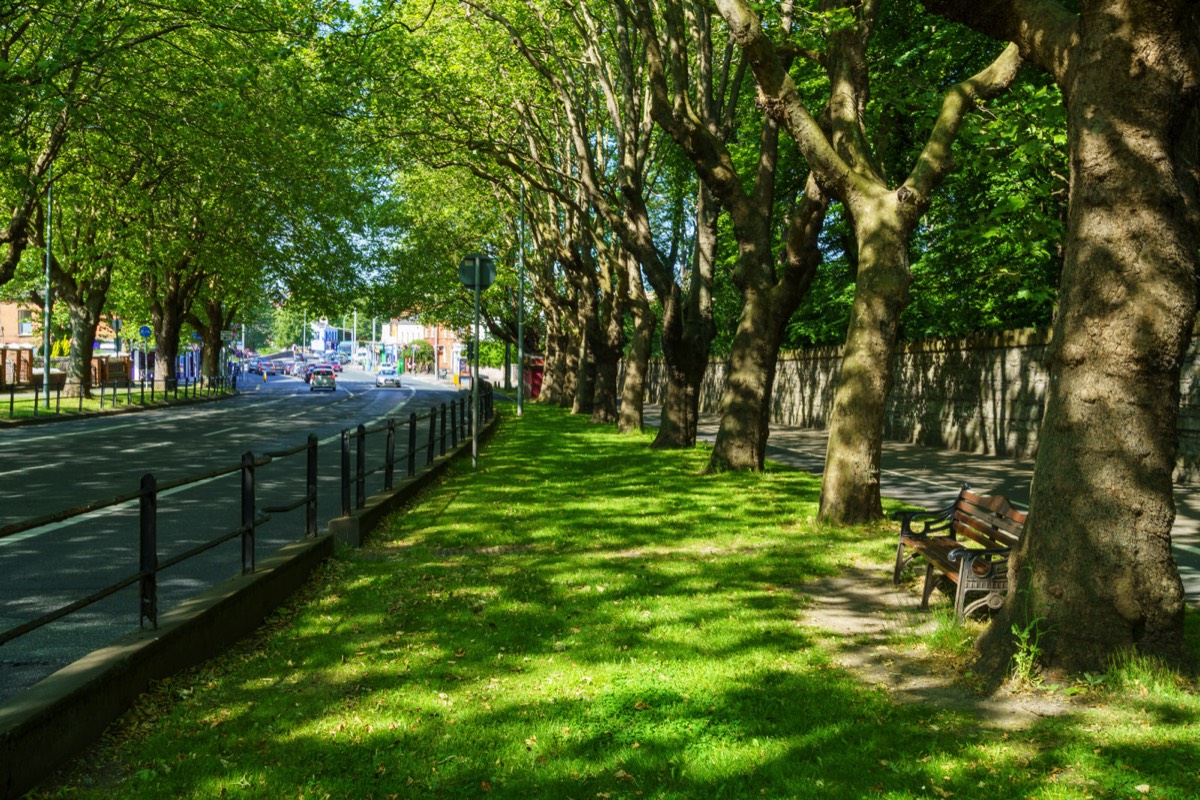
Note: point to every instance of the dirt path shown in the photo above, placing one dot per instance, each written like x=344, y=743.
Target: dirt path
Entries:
x=870, y=625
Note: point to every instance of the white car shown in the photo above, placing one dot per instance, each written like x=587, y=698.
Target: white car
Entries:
x=387, y=376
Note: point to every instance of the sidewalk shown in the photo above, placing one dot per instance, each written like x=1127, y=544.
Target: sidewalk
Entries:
x=928, y=477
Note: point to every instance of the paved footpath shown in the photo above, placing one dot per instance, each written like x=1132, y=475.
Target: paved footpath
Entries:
x=930, y=478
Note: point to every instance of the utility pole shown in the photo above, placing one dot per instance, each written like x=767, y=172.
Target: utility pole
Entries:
x=47, y=306
x=521, y=308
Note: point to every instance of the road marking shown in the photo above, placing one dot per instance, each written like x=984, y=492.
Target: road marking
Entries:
x=223, y=430
x=100, y=512
x=25, y=441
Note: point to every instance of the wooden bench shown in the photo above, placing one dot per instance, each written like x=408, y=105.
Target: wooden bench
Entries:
x=947, y=541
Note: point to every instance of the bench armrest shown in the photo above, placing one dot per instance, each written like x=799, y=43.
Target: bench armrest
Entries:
x=971, y=556
x=931, y=521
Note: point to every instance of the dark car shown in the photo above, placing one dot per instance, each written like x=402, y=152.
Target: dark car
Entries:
x=322, y=378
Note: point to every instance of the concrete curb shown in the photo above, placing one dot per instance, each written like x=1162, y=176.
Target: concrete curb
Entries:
x=44, y=726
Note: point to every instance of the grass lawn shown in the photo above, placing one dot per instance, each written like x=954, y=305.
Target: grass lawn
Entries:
x=584, y=617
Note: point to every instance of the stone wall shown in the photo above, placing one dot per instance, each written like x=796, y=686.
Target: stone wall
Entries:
x=982, y=394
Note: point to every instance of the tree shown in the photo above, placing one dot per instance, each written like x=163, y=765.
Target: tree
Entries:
x=681, y=103
x=54, y=61
x=1094, y=570
x=883, y=217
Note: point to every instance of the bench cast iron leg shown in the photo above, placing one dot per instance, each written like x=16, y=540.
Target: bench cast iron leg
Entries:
x=930, y=583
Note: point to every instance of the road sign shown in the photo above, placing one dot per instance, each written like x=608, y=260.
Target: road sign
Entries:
x=487, y=271
x=144, y=331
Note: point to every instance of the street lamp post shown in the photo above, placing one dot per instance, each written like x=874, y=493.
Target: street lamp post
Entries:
x=477, y=271
x=46, y=306
x=521, y=309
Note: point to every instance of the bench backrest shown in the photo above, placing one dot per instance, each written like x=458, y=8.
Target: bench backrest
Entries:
x=991, y=521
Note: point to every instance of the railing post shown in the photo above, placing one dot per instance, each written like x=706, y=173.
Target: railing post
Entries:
x=57, y=400
x=443, y=437
x=462, y=418
x=247, y=513
x=412, y=444
x=432, y=436
x=345, y=472
x=389, y=456
x=12, y=400
x=310, y=502
x=148, y=547
x=453, y=424
x=470, y=420
x=143, y=382
x=360, y=468
x=101, y=395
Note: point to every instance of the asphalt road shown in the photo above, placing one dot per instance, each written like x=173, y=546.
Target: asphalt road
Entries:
x=49, y=468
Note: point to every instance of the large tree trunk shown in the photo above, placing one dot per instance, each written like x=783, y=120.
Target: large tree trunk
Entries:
x=850, y=483
x=85, y=297
x=746, y=403
x=1094, y=571
x=167, y=318
x=767, y=305
x=688, y=332
x=216, y=319
x=85, y=321
x=677, y=424
x=584, y=395
x=609, y=339
x=637, y=360
x=554, y=362
x=1095, y=565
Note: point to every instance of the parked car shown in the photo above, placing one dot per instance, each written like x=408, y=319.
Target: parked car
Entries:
x=322, y=378
x=387, y=377
x=337, y=366
x=268, y=366
x=254, y=367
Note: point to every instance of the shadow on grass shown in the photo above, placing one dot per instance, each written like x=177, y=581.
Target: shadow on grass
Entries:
x=583, y=617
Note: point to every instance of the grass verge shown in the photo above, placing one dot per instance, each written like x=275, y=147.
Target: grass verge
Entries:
x=583, y=617
x=27, y=406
